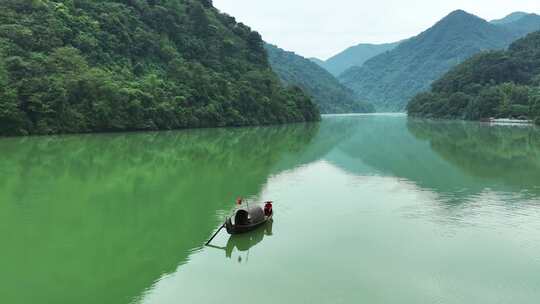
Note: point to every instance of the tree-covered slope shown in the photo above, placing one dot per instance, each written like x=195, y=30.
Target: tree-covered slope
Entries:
x=491, y=84
x=85, y=66
x=330, y=95
x=515, y=16
x=317, y=61
x=528, y=23
x=354, y=56
x=391, y=79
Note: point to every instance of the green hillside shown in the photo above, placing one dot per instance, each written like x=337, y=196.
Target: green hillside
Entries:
x=492, y=84
x=354, y=56
x=330, y=95
x=522, y=26
x=391, y=79
x=515, y=16
x=317, y=61
x=88, y=66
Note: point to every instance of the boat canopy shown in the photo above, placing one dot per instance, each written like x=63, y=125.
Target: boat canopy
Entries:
x=246, y=216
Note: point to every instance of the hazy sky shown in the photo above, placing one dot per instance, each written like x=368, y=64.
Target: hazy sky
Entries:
x=314, y=28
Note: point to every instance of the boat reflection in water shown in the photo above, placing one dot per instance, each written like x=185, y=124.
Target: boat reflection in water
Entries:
x=244, y=242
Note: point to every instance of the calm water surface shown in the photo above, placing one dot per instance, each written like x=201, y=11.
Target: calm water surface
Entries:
x=369, y=209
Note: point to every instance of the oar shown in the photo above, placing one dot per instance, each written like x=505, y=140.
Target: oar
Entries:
x=215, y=234
x=216, y=247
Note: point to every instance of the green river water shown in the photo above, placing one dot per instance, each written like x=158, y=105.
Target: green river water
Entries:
x=369, y=209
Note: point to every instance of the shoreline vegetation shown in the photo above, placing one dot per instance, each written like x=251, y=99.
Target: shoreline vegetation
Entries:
x=108, y=66
x=490, y=85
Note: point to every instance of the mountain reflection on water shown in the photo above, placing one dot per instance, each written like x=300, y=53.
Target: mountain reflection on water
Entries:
x=107, y=215
x=506, y=155
x=455, y=159
x=120, y=217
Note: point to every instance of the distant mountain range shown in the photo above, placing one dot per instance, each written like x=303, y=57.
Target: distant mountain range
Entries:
x=389, y=80
x=327, y=92
x=353, y=56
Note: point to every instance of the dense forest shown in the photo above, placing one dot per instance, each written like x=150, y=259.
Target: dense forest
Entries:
x=492, y=84
x=391, y=79
x=330, y=95
x=85, y=66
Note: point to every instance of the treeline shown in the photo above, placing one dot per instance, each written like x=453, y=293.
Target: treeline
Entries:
x=86, y=66
x=499, y=84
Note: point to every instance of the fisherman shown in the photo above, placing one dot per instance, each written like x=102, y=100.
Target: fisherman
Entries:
x=268, y=208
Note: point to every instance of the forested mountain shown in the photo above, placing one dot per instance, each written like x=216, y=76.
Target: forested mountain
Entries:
x=522, y=26
x=317, y=61
x=389, y=80
x=515, y=16
x=491, y=84
x=330, y=95
x=354, y=56
x=84, y=66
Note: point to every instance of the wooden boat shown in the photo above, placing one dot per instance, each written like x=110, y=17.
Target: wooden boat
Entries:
x=248, y=219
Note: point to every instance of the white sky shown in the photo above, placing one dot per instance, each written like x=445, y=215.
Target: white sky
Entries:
x=314, y=28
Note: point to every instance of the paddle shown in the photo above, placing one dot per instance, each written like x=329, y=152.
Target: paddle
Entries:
x=215, y=234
